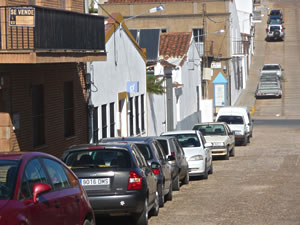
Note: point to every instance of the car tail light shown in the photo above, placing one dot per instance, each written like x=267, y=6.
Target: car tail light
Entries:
x=281, y=30
x=134, y=181
x=173, y=154
x=156, y=171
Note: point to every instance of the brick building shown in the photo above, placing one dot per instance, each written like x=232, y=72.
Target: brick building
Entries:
x=43, y=93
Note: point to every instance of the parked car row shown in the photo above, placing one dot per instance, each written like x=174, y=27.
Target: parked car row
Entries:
x=131, y=176
x=275, y=29
x=269, y=84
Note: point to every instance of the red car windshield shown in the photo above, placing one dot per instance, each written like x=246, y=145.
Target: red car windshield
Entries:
x=8, y=176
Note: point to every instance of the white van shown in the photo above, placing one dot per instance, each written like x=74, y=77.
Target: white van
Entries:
x=239, y=121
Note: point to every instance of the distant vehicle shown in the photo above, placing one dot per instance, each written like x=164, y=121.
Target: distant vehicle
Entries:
x=196, y=150
x=180, y=168
x=37, y=188
x=275, y=32
x=272, y=69
x=153, y=152
x=239, y=120
x=275, y=12
x=268, y=87
x=221, y=137
x=117, y=179
x=275, y=20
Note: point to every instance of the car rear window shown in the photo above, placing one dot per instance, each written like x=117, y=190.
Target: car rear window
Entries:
x=108, y=157
x=271, y=67
x=145, y=150
x=231, y=119
x=164, y=146
x=273, y=28
x=8, y=177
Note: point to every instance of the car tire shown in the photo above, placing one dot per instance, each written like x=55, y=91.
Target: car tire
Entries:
x=161, y=196
x=205, y=175
x=87, y=222
x=226, y=157
x=186, y=179
x=155, y=210
x=176, y=184
x=232, y=152
x=142, y=218
x=169, y=196
x=211, y=169
x=245, y=141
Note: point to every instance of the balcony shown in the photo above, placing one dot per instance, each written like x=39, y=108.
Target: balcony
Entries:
x=240, y=48
x=33, y=34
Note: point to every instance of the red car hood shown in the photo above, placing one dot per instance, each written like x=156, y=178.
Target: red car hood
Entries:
x=3, y=203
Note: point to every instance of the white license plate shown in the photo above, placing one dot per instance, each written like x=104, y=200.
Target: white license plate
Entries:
x=95, y=181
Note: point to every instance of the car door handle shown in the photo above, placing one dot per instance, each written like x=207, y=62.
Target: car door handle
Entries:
x=57, y=204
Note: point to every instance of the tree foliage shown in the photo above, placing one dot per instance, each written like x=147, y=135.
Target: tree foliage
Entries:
x=155, y=85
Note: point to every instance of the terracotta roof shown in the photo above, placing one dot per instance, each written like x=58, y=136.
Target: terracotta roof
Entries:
x=174, y=44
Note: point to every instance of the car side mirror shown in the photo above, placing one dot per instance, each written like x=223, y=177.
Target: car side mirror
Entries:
x=38, y=189
x=171, y=158
x=208, y=145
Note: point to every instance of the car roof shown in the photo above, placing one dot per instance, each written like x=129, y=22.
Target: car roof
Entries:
x=175, y=132
x=21, y=155
x=272, y=64
x=209, y=123
x=95, y=145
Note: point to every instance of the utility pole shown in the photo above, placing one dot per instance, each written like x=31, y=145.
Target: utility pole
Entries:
x=204, y=58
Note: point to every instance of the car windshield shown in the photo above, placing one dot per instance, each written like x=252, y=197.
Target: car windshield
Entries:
x=91, y=158
x=271, y=67
x=8, y=177
x=231, y=119
x=212, y=129
x=188, y=140
x=145, y=150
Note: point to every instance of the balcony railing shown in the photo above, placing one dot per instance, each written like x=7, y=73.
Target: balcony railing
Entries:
x=37, y=28
x=240, y=47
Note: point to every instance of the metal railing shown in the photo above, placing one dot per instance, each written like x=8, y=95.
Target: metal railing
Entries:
x=39, y=28
x=240, y=47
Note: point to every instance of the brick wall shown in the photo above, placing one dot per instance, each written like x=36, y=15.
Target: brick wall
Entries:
x=52, y=76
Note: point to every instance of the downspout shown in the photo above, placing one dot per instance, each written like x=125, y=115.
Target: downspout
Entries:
x=88, y=79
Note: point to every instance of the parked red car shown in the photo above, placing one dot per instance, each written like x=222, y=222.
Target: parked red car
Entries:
x=39, y=189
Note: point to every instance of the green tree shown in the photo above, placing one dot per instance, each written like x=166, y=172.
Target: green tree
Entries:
x=155, y=85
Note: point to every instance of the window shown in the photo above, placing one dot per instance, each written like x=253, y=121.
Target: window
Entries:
x=142, y=113
x=33, y=174
x=95, y=124
x=104, y=121
x=57, y=174
x=68, y=109
x=131, y=116
x=38, y=115
x=137, y=124
x=198, y=34
x=112, y=118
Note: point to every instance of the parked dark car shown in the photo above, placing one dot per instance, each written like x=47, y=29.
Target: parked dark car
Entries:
x=36, y=188
x=117, y=179
x=152, y=151
x=180, y=167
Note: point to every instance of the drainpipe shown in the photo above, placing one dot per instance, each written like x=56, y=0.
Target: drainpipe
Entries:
x=88, y=79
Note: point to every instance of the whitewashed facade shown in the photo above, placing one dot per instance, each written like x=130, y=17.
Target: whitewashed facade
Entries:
x=119, y=87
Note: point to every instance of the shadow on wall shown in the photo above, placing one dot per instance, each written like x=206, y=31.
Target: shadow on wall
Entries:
x=188, y=122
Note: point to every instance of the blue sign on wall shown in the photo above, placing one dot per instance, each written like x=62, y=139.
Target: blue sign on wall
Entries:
x=220, y=90
x=132, y=86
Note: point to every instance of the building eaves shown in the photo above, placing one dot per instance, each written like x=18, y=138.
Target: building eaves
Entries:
x=115, y=22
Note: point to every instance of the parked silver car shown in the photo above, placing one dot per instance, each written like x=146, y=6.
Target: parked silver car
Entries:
x=221, y=137
x=275, y=32
x=272, y=69
x=180, y=168
x=268, y=87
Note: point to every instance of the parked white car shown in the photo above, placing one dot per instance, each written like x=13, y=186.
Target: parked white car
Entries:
x=221, y=137
x=272, y=69
x=197, y=151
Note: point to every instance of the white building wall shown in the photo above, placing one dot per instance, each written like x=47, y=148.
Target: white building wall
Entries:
x=124, y=63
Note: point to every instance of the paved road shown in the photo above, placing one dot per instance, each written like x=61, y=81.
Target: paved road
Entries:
x=261, y=184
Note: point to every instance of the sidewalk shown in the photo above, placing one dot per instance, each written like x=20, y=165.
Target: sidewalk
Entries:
x=247, y=98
